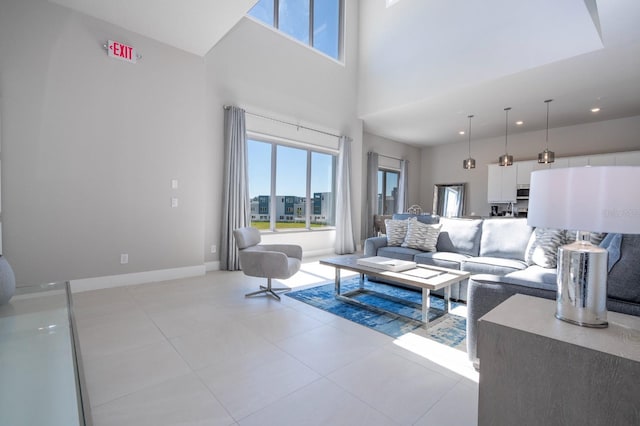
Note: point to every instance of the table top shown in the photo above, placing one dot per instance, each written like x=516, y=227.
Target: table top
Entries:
x=536, y=315
x=423, y=276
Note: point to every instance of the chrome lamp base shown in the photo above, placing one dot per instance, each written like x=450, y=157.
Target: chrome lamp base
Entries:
x=582, y=283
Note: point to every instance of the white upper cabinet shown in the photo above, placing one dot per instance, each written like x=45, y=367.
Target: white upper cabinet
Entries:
x=502, y=184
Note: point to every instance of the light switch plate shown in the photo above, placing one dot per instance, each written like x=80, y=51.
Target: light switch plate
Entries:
x=174, y=183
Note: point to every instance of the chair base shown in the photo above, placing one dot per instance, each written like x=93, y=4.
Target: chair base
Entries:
x=268, y=290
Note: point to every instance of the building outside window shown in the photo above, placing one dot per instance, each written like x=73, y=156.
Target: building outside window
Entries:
x=387, y=191
x=316, y=23
x=301, y=183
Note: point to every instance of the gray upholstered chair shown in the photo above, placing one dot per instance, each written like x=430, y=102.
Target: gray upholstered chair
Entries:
x=266, y=260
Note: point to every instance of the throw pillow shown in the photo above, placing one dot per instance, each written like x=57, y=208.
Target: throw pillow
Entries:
x=542, y=249
x=612, y=244
x=396, y=231
x=422, y=236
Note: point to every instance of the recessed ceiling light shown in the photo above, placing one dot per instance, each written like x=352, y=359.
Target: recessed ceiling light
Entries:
x=595, y=109
x=461, y=132
x=519, y=123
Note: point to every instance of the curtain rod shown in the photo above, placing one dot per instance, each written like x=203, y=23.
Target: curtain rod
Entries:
x=387, y=156
x=298, y=126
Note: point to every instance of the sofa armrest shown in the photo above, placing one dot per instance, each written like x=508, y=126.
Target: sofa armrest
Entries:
x=371, y=245
x=485, y=292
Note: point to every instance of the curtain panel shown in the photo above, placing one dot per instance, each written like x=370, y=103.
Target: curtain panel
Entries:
x=372, y=192
x=403, y=194
x=345, y=242
x=236, y=207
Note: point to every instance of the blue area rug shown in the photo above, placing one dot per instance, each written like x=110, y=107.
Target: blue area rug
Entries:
x=450, y=330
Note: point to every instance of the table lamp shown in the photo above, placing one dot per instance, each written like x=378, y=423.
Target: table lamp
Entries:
x=585, y=200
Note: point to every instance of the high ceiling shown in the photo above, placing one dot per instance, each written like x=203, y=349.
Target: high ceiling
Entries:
x=424, y=65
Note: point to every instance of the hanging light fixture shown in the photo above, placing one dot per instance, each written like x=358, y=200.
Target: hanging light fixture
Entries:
x=469, y=163
x=506, y=159
x=546, y=156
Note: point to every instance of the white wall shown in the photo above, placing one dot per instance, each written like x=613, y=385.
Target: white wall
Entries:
x=90, y=145
x=255, y=68
x=443, y=163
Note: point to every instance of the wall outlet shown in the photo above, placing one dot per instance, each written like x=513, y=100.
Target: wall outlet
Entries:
x=124, y=258
x=174, y=202
x=214, y=249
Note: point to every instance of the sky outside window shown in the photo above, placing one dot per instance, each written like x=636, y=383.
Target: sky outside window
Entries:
x=294, y=19
x=326, y=22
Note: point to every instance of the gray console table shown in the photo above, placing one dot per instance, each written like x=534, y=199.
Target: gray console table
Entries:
x=538, y=370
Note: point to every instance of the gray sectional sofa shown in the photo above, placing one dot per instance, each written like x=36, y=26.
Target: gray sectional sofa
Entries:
x=497, y=252
x=479, y=246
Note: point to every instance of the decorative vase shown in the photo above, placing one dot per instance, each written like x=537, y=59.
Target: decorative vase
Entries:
x=7, y=281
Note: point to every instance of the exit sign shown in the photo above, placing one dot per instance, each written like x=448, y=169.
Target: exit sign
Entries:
x=122, y=51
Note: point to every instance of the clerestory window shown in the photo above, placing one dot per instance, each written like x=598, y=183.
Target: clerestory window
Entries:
x=316, y=23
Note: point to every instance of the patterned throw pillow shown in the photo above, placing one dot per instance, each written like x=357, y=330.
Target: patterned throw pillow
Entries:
x=422, y=236
x=396, y=231
x=542, y=249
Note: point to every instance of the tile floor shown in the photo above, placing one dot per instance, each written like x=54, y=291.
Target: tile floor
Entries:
x=195, y=351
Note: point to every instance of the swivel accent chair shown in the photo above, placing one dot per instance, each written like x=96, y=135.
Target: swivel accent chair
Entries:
x=266, y=260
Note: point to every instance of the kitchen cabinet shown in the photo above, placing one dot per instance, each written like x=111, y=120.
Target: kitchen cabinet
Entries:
x=501, y=184
x=524, y=170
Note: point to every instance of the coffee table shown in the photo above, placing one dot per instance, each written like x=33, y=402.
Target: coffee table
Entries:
x=425, y=277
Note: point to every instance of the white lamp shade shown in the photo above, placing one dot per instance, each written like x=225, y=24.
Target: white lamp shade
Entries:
x=594, y=199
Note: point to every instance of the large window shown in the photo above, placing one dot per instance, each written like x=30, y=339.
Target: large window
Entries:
x=312, y=22
x=290, y=187
x=387, y=191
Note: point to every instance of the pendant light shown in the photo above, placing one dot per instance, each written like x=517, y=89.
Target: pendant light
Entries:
x=506, y=159
x=469, y=163
x=546, y=156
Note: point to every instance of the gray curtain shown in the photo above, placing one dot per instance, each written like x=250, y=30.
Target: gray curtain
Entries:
x=403, y=197
x=372, y=191
x=236, y=208
x=345, y=242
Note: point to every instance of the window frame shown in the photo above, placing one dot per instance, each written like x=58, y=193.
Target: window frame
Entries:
x=275, y=141
x=384, y=171
x=310, y=44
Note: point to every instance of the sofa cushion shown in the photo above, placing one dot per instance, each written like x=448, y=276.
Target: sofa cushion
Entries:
x=542, y=249
x=492, y=265
x=532, y=275
x=402, y=253
x=506, y=238
x=460, y=236
x=422, y=236
x=428, y=219
x=396, y=231
x=623, y=282
x=443, y=259
x=611, y=243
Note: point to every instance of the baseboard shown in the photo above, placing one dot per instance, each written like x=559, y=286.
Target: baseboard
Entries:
x=97, y=283
x=212, y=266
x=319, y=253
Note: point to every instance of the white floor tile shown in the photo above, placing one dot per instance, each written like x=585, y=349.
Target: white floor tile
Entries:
x=117, y=332
x=197, y=351
x=281, y=324
x=180, y=401
x=326, y=348
x=221, y=345
x=248, y=388
x=458, y=407
x=319, y=404
x=400, y=388
x=112, y=376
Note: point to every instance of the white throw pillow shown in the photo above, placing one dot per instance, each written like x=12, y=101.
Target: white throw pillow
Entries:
x=542, y=249
x=422, y=236
x=396, y=231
